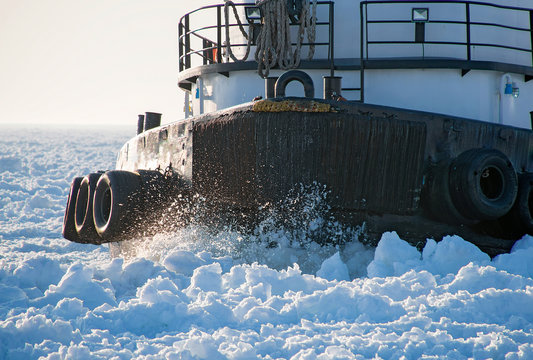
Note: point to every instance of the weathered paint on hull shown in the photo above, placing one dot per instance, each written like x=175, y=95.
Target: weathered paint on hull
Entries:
x=374, y=160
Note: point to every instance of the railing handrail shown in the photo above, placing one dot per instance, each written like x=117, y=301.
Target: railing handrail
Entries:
x=448, y=22
x=467, y=23
x=464, y=2
x=211, y=7
x=185, y=51
x=468, y=43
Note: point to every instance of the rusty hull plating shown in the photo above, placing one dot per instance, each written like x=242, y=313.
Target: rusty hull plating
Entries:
x=379, y=164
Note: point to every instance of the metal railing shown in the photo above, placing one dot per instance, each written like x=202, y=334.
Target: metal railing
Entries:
x=468, y=23
x=206, y=44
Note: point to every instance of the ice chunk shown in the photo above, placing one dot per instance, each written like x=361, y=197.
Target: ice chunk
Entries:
x=393, y=257
x=451, y=254
x=334, y=269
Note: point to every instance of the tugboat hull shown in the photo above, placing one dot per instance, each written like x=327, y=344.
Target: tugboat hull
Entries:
x=391, y=169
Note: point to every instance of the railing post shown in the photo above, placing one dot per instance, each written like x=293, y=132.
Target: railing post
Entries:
x=531, y=33
x=361, y=55
x=366, y=29
x=219, y=34
x=468, y=53
x=180, y=46
x=187, y=43
x=205, y=55
x=332, y=38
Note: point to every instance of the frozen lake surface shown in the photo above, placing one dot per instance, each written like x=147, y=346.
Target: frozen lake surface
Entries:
x=195, y=294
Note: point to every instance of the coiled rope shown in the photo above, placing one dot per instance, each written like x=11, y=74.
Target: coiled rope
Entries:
x=274, y=44
x=229, y=51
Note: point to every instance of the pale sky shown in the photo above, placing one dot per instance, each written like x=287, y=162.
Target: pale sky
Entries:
x=89, y=61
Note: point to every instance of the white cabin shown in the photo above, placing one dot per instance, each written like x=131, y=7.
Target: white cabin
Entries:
x=460, y=58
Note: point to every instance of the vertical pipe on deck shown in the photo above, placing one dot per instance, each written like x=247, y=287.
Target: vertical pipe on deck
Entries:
x=186, y=108
x=200, y=89
x=140, y=124
x=151, y=120
x=270, y=84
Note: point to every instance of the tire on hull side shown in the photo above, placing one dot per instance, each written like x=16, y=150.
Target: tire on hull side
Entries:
x=524, y=202
x=69, y=226
x=483, y=184
x=437, y=197
x=83, y=218
x=519, y=220
x=118, y=202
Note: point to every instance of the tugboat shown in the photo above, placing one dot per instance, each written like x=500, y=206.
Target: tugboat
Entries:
x=415, y=116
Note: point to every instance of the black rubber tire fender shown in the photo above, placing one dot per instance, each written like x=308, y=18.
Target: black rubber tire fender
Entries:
x=523, y=208
x=483, y=184
x=69, y=225
x=436, y=196
x=118, y=202
x=83, y=218
x=298, y=75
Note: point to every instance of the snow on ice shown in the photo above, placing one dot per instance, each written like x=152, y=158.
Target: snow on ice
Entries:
x=192, y=298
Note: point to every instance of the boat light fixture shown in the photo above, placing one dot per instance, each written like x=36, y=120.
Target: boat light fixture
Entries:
x=512, y=89
x=252, y=13
x=420, y=14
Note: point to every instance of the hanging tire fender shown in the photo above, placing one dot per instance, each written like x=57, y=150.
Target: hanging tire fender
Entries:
x=523, y=207
x=69, y=225
x=436, y=197
x=117, y=204
x=483, y=184
x=83, y=218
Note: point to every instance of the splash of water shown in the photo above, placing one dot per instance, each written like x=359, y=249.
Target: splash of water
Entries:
x=300, y=229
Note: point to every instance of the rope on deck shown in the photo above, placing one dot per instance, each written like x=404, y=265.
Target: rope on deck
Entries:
x=274, y=43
